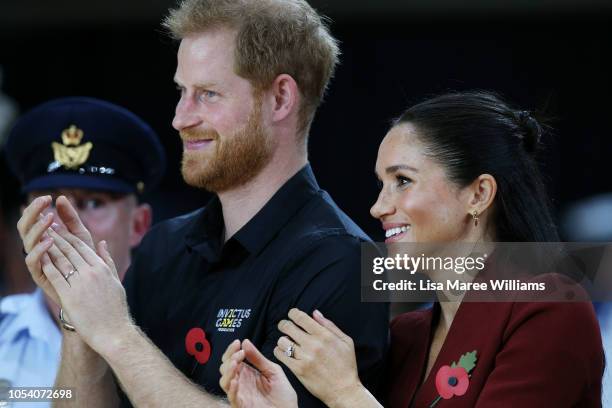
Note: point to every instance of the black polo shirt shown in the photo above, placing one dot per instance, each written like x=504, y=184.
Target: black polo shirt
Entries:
x=300, y=250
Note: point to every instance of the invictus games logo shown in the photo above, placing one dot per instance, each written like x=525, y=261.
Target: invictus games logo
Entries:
x=228, y=320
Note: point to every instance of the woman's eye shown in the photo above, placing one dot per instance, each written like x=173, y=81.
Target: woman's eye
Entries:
x=379, y=184
x=403, y=181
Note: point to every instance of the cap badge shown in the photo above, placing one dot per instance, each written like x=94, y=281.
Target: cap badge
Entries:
x=71, y=154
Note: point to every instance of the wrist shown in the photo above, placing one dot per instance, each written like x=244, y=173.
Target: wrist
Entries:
x=77, y=354
x=115, y=345
x=348, y=396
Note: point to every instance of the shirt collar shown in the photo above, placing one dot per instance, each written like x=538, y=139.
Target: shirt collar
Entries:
x=266, y=224
x=205, y=235
x=29, y=313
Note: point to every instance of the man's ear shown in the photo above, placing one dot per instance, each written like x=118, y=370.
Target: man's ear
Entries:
x=482, y=193
x=142, y=216
x=286, y=95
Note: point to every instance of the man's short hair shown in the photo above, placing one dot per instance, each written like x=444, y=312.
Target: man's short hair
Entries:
x=273, y=37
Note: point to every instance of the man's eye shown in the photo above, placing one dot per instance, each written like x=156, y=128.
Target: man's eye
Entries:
x=91, y=204
x=208, y=95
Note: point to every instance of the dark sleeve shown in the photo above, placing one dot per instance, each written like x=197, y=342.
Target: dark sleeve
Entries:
x=134, y=287
x=552, y=357
x=131, y=284
x=142, y=277
x=327, y=277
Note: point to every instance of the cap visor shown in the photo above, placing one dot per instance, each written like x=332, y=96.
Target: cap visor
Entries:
x=56, y=181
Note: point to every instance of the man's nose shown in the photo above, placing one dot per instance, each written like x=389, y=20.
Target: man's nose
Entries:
x=185, y=115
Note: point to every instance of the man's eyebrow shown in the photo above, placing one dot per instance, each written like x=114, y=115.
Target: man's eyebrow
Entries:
x=198, y=85
x=205, y=85
x=394, y=168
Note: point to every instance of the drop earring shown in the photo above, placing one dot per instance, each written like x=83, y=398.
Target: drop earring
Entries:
x=475, y=217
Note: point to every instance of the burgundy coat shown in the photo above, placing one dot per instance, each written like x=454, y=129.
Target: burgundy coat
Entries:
x=528, y=355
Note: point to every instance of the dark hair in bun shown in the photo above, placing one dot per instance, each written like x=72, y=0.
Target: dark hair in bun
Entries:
x=473, y=133
x=530, y=130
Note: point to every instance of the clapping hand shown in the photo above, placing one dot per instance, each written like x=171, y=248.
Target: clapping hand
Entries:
x=62, y=260
x=261, y=384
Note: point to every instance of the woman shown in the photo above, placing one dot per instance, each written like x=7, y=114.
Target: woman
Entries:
x=456, y=168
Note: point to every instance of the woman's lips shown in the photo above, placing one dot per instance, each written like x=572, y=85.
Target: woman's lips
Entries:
x=395, y=237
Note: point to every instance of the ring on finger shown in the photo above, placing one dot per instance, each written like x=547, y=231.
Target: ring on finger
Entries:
x=290, y=352
x=69, y=274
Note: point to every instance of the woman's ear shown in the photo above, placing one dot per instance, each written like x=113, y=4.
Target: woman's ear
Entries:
x=482, y=193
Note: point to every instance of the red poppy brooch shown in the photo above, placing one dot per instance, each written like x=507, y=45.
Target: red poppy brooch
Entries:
x=454, y=379
x=197, y=345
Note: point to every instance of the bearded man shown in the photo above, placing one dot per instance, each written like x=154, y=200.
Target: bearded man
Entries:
x=251, y=75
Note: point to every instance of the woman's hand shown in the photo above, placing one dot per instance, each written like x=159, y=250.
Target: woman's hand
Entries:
x=84, y=281
x=264, y=386
x=324, y=357
x=37, y=243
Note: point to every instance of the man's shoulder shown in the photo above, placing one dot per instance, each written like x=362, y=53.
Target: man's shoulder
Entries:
x=177, y=225
x=171, y=230
x=322, y=219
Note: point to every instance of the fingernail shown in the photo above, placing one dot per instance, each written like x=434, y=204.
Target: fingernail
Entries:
x=55, y=226
x=317, y=313
x=103, y=242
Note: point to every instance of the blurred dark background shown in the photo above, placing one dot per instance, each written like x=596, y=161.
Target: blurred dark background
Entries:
x=552, y=57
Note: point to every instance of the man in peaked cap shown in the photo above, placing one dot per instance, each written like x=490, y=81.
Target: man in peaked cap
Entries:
x=100, y=157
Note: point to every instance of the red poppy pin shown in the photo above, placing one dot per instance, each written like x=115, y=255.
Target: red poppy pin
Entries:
x=454, y=379
x=197, y=345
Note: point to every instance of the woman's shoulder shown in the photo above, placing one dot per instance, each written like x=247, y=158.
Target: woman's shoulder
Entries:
x=577, y=319
x=563, y=300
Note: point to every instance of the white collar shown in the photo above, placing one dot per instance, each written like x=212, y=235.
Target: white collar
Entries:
x=29, y=313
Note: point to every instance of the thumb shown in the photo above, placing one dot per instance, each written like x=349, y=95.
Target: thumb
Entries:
x=106, y=257
x=329, y=325
x=258, y=360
